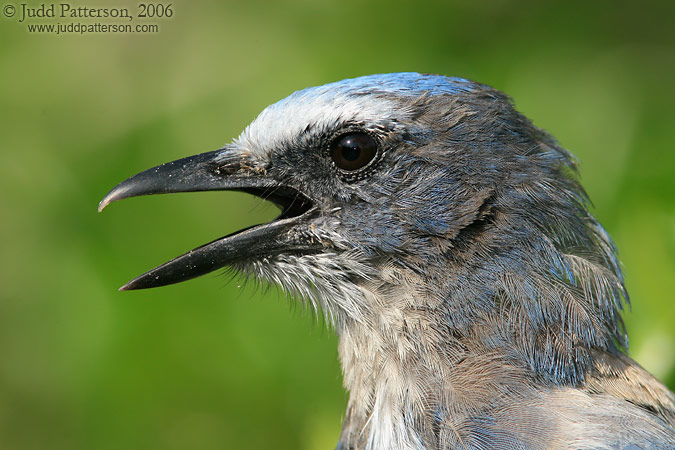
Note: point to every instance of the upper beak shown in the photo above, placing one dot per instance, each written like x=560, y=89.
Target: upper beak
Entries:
x=220, y=170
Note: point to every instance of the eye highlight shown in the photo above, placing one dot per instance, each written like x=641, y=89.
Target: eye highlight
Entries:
x=353, y=151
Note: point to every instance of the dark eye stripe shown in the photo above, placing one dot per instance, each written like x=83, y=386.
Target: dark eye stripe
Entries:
x=353, y=151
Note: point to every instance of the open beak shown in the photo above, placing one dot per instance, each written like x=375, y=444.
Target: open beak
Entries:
x=216, y=171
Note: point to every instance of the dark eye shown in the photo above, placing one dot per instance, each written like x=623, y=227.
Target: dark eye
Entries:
x=352, y=151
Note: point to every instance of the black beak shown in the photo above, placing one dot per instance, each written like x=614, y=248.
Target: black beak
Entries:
x=215, y=171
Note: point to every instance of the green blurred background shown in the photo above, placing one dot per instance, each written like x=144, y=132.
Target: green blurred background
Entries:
x=211, y=363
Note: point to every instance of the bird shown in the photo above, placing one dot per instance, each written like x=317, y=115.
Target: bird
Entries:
x=448, y=242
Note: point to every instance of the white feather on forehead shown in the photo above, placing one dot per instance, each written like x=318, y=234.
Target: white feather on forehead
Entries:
x=371, y=100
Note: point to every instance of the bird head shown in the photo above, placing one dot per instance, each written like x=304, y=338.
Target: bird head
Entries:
x=419, y=198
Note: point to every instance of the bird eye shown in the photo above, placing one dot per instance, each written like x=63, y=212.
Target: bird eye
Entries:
x=352, y=151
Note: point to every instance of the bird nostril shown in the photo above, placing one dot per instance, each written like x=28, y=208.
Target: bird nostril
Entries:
x=227, y=169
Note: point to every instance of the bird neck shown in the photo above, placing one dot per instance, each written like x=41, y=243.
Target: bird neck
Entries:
x=406, y=374
x=379, y=363
x=432, y=347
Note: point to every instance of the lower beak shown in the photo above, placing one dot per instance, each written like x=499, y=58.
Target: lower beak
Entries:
x=214, y=171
